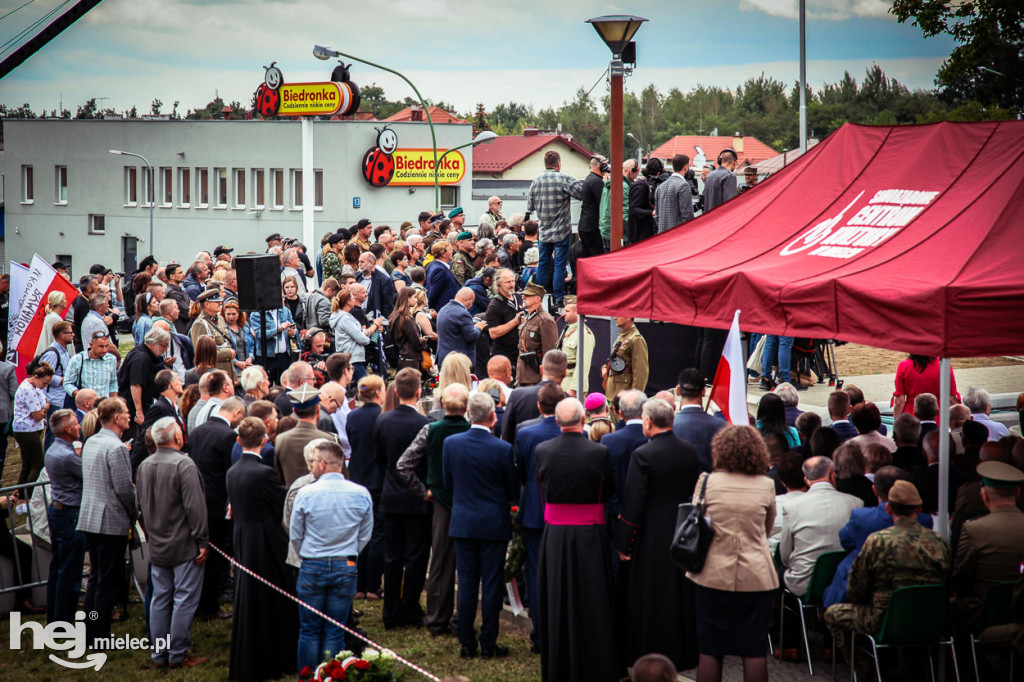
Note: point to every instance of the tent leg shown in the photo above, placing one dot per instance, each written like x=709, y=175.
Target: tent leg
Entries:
x=581, y=341
x=943, y=521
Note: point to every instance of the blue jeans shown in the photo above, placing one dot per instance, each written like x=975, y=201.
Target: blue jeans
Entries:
x=358, y=372
x=176, y=591
x=480, y=565
x=781, y=346
x=561, y=259
x=328, y=585
x=64, y=585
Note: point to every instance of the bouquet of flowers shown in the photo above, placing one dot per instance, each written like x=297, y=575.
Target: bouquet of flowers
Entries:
x=374, y=666
x=516, y=555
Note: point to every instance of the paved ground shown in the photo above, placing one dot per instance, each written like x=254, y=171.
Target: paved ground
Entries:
x=878, y=388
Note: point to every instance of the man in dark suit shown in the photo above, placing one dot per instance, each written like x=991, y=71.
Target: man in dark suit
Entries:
x=441, y=283
x=692, y=423
x=380, y=291
x=406, y=516
x=479, y=470
x=174, y=276
x=522, y=402
x=456, y=331
x=926, y=408
x=210, y=448
x=164, y=405
x=365, y=469
x=590, y=209
x=839, y=413
x=531, y=505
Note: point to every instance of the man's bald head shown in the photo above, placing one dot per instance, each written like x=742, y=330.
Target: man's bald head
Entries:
x=569, y=414
x=958, y=414
x=85, y=399
x=500, y=367
x=332, y=391
x=465, y=296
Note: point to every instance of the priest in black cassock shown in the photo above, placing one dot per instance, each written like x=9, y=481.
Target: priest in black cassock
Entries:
x=575, y=575
x=265, y=632
x=661, y=476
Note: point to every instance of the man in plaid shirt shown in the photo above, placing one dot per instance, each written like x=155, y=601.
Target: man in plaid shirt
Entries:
x=96, y=369
x=550, y=195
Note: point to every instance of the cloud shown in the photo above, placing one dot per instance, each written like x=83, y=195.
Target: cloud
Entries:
x=831, y=10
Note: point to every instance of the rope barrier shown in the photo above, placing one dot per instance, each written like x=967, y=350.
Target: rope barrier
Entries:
x=330, y=620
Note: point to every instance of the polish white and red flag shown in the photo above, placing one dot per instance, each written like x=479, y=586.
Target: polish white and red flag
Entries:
x=729, y=388
x=30, y=289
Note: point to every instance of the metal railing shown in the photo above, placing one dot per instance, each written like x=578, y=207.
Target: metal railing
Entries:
x=27, y=490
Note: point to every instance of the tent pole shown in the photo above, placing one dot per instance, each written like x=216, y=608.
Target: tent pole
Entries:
x=943, y=521
x=581, y=352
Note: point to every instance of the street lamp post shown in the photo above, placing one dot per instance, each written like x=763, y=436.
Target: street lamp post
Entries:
x=152, y=186
x=325, y=53
x=485, y=137
x=616, y=31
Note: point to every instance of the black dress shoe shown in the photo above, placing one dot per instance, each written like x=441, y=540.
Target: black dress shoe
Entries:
x=497, y=651
x=466, y=652
x=797, y=385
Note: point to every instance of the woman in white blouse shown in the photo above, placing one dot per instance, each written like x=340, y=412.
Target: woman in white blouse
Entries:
x=30, y=406
x=55, y=304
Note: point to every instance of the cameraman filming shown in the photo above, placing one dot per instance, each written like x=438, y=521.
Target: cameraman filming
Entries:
x=641, y=207
x=590, y=210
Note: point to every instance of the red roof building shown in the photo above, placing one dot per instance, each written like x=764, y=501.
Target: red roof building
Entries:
x=512, y=157
x=415, y=113
x=750, y=150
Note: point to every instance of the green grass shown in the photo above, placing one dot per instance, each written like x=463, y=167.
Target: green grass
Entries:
x=438, y=655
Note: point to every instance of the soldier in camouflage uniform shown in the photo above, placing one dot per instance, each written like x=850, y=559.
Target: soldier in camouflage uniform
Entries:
x=904, y=554
x=462, y=261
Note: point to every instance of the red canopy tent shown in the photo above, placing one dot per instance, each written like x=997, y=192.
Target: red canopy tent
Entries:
x=909, y=238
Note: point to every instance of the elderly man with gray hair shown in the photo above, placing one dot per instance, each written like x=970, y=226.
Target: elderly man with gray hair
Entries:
x=577, y=616
x=662, y=474
x=172, y=502
x=136, y=379
x=480, y=472
x=979, y=403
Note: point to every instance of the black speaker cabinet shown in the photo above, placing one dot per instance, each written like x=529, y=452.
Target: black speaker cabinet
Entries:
x=259, y=282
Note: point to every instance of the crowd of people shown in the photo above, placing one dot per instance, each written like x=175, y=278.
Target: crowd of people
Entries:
x=415, y=408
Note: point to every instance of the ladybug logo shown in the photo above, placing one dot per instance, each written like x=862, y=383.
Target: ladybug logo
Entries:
x=267, y=99
x=378, y=162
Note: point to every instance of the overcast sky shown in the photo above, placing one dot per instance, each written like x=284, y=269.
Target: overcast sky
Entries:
x=462, y=51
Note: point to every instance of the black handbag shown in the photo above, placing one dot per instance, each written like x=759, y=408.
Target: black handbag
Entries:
x=693, y=535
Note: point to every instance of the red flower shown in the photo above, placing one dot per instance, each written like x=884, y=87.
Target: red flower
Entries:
x=360, y=664
x=305, y=673
x=335, y=670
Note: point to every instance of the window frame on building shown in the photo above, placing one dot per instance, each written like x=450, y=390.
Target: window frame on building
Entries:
x=93, y=228
x=166, y=187
x=295, y=183
x=220, y=188
x=259, y=188
x=238, y=176
x=60, y=185
x=202, y=187
x=277, y=189
x=131, y=186
x=184, y=187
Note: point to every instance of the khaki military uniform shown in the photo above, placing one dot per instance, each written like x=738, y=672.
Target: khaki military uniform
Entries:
x=989, y=552
x=362, y=243
x=632, y=348
x=568, y=344
x=537, y=333
x=206, y=325
x=462, y=267
x=899, y=556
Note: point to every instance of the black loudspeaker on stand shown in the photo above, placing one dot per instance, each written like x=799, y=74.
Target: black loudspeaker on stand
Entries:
x=259, y=289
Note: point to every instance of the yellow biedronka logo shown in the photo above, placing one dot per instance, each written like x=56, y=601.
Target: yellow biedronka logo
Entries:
x=416, y=167
x=310, y=99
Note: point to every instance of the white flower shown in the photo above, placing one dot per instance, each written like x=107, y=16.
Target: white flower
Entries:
x=370, y=654
x=387, y=654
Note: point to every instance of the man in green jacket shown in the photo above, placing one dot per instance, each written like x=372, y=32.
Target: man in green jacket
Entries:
x=429, y=443
x=629, y=173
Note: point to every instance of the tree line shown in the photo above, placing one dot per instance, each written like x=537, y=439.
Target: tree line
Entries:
x=761, y=107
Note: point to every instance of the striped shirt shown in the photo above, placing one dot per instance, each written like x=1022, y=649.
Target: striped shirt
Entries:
x=98, y=374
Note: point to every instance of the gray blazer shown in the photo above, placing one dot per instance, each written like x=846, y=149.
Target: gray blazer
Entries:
x=8, y=387
x=108, y=495
x=673, y=203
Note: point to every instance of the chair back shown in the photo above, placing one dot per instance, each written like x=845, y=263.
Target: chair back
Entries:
x=916, y=614
x=998, y=606
x=821, y=577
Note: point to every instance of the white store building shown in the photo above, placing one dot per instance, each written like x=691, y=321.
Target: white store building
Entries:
x=217, y=182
